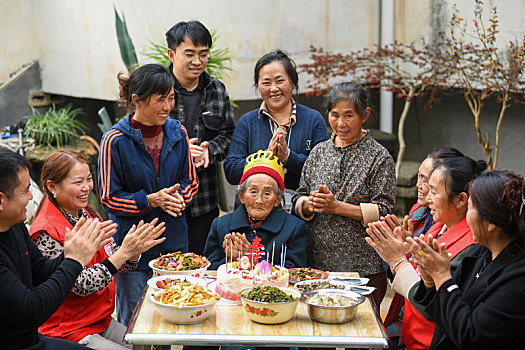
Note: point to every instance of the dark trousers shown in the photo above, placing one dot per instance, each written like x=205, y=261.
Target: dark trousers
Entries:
x=198, y=229
x=49, y=343
x=379, y=282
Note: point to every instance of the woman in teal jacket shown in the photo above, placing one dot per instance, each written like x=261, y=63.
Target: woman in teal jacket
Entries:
x=146, y=172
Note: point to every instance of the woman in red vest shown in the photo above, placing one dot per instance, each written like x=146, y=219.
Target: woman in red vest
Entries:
x=85, y=316
x=448, y=201
x=417, y=222
x=481, y=305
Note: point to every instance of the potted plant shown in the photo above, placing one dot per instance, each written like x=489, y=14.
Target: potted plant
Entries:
x=55, y=127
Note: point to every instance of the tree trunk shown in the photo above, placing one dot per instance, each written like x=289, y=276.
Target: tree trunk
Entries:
x=401, y=131
x=476, y=104
x=504, y=106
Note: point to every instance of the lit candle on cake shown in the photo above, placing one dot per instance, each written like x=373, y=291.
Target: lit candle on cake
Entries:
x=273, y=251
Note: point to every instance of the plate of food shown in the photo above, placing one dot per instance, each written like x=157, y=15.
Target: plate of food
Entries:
x=356, y=281
x=298, y=274
x=180, y=263
x=160, y=282
x=308, y=285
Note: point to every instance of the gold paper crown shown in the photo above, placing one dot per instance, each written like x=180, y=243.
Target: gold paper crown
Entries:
x=265, y=159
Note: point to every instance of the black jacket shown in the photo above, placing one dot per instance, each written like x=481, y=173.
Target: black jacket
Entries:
x=32, y=287
x=480, y=307
x=279, y=227
x=214, y=123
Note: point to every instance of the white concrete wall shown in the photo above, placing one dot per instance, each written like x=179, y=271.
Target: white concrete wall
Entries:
x=75, y=40
x=76, y=44
x=17, y=37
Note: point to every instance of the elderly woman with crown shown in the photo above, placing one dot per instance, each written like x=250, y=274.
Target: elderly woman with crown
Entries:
x=259, y=215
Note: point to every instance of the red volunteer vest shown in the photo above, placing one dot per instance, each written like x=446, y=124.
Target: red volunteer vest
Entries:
x=417, y=331
x=78, y=316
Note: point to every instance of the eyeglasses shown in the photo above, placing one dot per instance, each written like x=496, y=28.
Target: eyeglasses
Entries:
x=202, y=56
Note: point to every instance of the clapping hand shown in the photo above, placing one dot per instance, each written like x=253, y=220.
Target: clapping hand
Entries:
x=108, y=228
x=324, y=201
x=278, y=145
x=235, y=242
x=168, y=199
x=308, y=205
x=142, y=237
x=84, y=240
x=386, y=242
x=432, y=259
x=199, y=153
x=402, y=230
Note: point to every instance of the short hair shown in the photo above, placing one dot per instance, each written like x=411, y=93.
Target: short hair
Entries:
x=10, y=165
x=498, y=196
x=353, y=93
x=145, y=81
x=193, y=30
x=277, y=55
x=458, y=172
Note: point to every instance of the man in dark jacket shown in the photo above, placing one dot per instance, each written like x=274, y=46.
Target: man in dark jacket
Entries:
x=202, y=105
x=33, y=287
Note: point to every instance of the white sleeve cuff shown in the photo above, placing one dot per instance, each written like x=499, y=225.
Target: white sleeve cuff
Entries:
x=404, y=279
x=370, y=213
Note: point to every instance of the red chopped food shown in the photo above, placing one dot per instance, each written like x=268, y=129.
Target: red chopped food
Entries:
x=168, y=282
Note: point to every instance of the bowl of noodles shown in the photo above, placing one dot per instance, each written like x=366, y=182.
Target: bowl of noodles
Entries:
x=185, y=304
x=179, y=263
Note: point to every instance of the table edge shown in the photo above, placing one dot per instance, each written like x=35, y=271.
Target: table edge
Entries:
x=253, y=340
x=256, y=340
x=140, y=305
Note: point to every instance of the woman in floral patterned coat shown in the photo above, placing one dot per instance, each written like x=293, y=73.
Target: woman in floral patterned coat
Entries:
x=346, y=183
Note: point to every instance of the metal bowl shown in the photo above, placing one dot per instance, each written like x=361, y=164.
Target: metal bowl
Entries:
x=332, y=314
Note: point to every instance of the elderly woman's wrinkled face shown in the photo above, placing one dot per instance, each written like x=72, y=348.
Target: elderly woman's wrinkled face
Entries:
x=423, y=175
x=260, y=196
x=347, y=123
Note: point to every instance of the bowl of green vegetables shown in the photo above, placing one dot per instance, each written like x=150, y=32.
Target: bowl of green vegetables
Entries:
x=269, y=304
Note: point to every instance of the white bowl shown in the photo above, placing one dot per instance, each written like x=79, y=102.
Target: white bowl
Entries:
x=271, y=313
x=199, y=273
x=152, y=282
x=183, y=314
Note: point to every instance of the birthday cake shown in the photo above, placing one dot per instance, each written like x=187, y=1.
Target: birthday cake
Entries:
x=234, y=277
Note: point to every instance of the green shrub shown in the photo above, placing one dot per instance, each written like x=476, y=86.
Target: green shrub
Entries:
x=56, y=127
